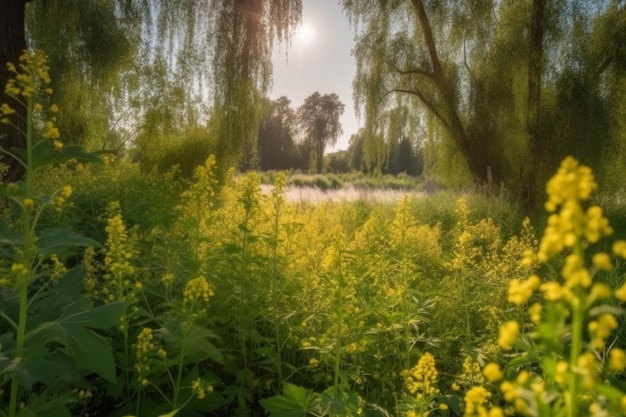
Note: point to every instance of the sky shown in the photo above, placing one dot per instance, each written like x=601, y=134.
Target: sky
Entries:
x=319, y=59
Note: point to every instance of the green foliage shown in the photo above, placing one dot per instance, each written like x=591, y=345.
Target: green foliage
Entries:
x=318, y=118
x=201, y=296
x=492, y=89
x=48, y=336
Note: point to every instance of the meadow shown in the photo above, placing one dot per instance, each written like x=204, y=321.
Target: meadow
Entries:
x=126, y=293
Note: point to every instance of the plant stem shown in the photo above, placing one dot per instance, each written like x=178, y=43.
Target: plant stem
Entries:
x=28, y=253
x=19, y=344
x=181, y=360
x=242, y=283
x=576, y=347
x=274, y=290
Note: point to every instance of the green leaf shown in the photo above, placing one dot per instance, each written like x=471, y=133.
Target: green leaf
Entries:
x=454, y=403
x=172, y=414
x=197, y=344
x=91, y=351
x=64, y=300
x=59, y=240
x=103, y=317
x=52, y=368
x=44, y=154
x=340, y=403
x=7, y=236
x=88, y=350
x=57, y=411
x=295, y=402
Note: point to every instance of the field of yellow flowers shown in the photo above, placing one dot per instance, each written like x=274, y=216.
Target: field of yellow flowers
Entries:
x=142, y=294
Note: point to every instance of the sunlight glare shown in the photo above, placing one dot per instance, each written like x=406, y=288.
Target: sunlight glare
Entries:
x=305, y=34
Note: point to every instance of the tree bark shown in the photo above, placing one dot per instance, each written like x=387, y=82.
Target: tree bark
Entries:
x=535, y=68
x=449, y=114
x=12, y=44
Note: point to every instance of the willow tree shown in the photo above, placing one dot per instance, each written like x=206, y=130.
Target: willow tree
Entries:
x=486, y=71
x=12, y=43
x=400, y=51
x=100, y=52
x=318, y=118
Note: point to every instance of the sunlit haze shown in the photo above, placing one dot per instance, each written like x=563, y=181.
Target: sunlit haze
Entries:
x=305, y=35
x=320, y=59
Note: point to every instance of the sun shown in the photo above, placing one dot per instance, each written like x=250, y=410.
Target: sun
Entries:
x=305, y=34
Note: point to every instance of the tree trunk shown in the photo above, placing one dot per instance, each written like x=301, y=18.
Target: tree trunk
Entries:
x=12, y=43
x=535, y=58
x=319, y=155
x=448, y=112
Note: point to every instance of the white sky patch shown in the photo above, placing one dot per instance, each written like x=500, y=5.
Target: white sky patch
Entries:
x=305, y=35
x=325, y=64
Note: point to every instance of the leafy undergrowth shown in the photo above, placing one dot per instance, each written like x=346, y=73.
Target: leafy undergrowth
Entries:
x=239, y=302
x=126, y=293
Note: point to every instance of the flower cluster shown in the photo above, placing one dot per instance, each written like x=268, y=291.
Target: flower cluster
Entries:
x=571, y=184
x=30, y=75
x=118, y=256
x=196, y=294
x=508, y=334
x=421, y=380
x=201, y=388
x=571, y=307
x=114, y=278
x=60, y=197
x=471, y=375
x=146, y=349
x=33, y=69
x=475, y=401
x=57, y=268
x=520, y=291
x=197, y=202
x=167, y=279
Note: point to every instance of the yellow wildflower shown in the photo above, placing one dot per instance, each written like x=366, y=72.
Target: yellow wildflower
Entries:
x=496, y=412
x=521, y=291
x=422, y=379
x=620, y=293
x=575, y=273
x=492, y=372
x=596, y=225
x=552, y=290
x=617, y=360
x=619, y=248
x=560, y=377
x=602, y=261
x=167, y=279
x=534, y=312
x=600, y=329
x=475, y=400
x=6, y=109
x=197, y=290
x=589, y=368
x=509, y=391
x=508, y=334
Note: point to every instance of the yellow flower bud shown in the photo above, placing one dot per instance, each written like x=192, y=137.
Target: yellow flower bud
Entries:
x=492, y=372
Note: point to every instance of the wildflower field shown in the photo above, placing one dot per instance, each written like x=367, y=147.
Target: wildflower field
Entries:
x=127, y=293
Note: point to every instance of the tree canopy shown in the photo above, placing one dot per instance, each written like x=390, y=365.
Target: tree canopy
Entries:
x=486, y=88
x=513, y=85
x=105, y=53
x=319, y=120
